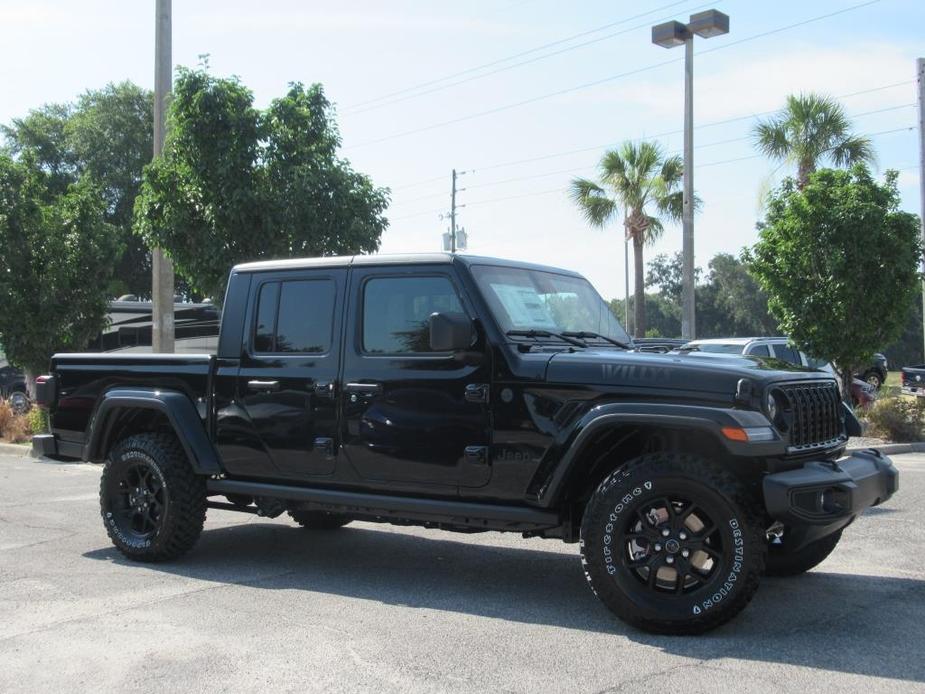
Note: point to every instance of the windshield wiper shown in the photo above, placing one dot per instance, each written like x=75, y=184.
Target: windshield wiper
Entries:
x=565, y=337
x=589, y=334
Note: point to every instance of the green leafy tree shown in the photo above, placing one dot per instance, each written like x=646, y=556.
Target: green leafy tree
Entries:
x=839, y=262
x=645, y=184
x=739, y=299
x=106, y=138
x=55, y=265
x=810, y=129
x=236, y=183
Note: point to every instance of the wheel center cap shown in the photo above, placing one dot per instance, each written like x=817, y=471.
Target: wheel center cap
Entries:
x=672, y=546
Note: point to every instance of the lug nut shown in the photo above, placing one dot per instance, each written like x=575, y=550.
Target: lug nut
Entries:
x=666, y=532
x=669, y=560
x=685, y=553
x=682, y=536
x=658, y=548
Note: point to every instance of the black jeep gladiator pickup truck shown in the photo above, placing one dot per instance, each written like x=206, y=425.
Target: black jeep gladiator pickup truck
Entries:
x=473, y=394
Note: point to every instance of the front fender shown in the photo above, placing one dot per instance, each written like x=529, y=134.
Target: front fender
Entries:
x=564, y=455
x=176, y=406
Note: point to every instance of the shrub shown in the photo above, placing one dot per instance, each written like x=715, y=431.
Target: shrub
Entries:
x=38, y=421
x=896, y=419
x=14, y=428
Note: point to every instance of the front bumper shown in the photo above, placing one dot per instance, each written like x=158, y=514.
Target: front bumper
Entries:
x=825, y=492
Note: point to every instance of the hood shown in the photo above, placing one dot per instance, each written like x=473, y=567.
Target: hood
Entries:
x=694, y=371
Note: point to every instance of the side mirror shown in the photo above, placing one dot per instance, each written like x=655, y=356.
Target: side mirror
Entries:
x=450, y=332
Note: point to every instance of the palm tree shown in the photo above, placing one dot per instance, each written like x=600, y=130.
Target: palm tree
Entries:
x=646, y=185
x=809, y=129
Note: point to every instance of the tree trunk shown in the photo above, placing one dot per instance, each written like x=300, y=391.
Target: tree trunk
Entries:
x=639, y=292
x=803, y=171
x=30, y=383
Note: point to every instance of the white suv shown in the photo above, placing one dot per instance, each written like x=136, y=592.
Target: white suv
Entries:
x=777, y=347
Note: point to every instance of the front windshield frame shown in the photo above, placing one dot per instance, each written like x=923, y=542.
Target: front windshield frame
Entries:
x=598, y=317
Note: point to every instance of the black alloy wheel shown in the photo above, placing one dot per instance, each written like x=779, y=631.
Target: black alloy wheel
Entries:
x=137, y=500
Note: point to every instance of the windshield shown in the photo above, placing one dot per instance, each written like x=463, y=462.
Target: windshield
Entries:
x=522, y=299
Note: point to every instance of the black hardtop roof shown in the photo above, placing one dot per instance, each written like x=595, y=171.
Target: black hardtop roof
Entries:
x=392, y=259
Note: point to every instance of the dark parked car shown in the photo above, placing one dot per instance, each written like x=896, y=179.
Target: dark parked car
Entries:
x=473, y=394
x=13, y=386
x=876, y=372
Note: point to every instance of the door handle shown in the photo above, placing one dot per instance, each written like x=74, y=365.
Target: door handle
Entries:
x=363, y=388
x=263, y=385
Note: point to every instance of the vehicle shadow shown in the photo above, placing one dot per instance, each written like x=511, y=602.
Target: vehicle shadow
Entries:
x=867, y=625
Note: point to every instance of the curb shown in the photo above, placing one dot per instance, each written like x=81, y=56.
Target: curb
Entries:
x=21, y=449
x=891, y=448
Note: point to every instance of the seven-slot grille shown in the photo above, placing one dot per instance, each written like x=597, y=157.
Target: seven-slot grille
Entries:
x=815, y=410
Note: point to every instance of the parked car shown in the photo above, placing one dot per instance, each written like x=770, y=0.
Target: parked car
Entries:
x=876, y=371
x=473, y=394
x=13, y=387
x=913, y=380
x=863, y=393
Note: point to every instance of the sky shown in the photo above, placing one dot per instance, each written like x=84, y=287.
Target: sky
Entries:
x=522, y=95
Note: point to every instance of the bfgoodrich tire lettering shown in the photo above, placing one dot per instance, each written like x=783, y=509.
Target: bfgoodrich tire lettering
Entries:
x=669, y=544
x=153, y=504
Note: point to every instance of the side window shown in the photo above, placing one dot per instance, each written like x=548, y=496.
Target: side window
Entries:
x=759, y=351
x=396, y=309
x=295, y=316
x=788, y=354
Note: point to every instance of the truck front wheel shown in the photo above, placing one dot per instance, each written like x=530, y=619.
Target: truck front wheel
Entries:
x=672, y=545
x=153, y=504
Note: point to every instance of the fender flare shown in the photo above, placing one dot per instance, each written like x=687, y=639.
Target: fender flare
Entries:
x=176, y=406
x=563, y=457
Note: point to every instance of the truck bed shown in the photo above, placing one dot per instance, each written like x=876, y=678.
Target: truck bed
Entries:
x=81, y=380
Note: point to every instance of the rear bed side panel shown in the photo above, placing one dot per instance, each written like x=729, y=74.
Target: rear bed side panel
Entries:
x=82, y=379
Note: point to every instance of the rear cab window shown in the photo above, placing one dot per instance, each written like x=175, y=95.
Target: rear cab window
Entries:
x=295, y=316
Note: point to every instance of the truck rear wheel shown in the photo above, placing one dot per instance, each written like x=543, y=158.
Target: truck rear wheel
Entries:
x=319, y=520
x=153, y=504
x=670, y=544
x=783, y=561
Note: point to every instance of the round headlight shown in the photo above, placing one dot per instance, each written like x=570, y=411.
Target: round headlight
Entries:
x=771, y=406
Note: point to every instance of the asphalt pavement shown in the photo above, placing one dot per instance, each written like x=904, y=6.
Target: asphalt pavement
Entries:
x=263, y=605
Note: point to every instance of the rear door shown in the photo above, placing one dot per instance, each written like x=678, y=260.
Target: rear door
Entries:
x=411, y=416
x=287, y=382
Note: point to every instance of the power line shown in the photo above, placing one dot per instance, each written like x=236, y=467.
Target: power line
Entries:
x=476, y=203
x=499, y=61
x=441, y=87
x=594, y=83
x=657, y=135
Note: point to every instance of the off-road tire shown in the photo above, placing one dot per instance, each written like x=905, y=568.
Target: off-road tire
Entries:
x=783, y=562
x=183, y=497
x=319, y=520
x=612, y=518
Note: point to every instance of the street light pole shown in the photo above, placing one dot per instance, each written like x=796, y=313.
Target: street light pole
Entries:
x=688, y=327
x=162, y=278
x=669, y=35
x=920, y=70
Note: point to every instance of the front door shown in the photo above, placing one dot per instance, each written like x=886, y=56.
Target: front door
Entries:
x=411, y=416
x=287, y=382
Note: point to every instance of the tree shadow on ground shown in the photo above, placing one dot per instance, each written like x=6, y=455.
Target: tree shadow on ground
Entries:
x=868, y=625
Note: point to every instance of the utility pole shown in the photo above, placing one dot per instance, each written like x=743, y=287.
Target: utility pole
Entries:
x=453, y=215
x=920, y=65
x=688, y=329
x=626, y=282
x=162, y=279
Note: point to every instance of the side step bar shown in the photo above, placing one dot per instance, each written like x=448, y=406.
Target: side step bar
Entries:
x=489, y=516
